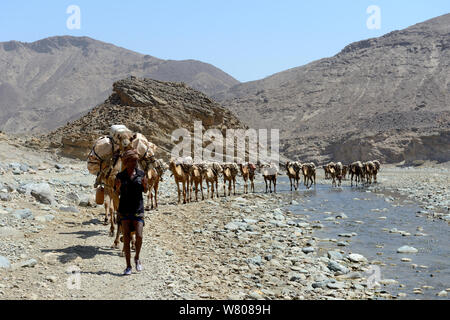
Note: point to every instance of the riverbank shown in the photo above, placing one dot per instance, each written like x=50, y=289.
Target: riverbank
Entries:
x=427, y=185
x=240, y=247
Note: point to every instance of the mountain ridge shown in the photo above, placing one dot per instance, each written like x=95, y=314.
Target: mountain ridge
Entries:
x=397, y=83
x=45, y=83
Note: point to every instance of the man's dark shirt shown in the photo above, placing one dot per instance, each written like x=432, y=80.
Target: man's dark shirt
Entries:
x=131, y=199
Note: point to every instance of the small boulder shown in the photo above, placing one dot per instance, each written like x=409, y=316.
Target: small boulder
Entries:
x=334, y=255
x=5, y=197
x=23, y=214
x=43, y=193
x=354, y=257
x=335, y=266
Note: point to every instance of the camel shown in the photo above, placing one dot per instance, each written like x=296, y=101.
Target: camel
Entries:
x=326, y=170
x=181, y=176
x=211, y=173
x=332, y=174
x=334, y=171
x=293, y=172
x=196, y=179
x=154, y=177
x=357, y=171
x=369, y=171
x=248, y=173
x=270, y=174
x=377, y=168
x=344, y=172
x=309, y=174
x=337, y=174
x=106, y=178
x=230, y=171
x=377, y=164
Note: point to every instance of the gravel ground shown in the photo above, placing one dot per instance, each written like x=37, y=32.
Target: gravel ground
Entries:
x=241, y=247
x=427, y=185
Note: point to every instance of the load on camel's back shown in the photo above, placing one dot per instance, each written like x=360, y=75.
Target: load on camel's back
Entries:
x=145, y=149
x=104, y=162
x=106, y=147
x=121, y=139
x=101, y=154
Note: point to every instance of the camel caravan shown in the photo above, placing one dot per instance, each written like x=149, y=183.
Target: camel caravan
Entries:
x=105, y=162
x=363, y=172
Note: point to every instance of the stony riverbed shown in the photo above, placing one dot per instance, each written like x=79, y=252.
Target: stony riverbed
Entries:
x=255, y=246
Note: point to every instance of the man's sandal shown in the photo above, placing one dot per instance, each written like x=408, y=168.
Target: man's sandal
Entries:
x=127, y=272
x=138, y=265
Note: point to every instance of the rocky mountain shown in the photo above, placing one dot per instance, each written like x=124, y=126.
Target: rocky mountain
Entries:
x=46, y=83
x=386, y=98
x=151, y=107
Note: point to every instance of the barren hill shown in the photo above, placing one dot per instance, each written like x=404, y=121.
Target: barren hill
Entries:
x=151, y=107
x=46, y=83
x=386, y=98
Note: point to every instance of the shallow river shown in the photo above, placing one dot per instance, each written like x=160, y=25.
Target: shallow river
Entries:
x=371, y=216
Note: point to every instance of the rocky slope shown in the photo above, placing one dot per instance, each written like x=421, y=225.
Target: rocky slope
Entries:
x=386, y=98
x=46, y=83
x=153, y=108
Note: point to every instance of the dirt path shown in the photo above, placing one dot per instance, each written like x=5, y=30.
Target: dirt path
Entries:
x=81, y=244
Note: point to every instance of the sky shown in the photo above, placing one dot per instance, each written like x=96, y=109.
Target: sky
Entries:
x=248, y=39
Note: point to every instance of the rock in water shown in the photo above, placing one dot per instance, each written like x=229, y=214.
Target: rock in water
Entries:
x=443, y=293
x=335, y=255
x=354, y=257
x=407, y=249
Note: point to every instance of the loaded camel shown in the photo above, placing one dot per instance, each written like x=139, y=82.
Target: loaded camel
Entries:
x=211, y=173
x=309, y=174
x=270, y=174
x=293, y=172
x=357, y=171
x=181, y=176
x=196, y=179
x=155, y=175
x=248, y=173
x=230, y=171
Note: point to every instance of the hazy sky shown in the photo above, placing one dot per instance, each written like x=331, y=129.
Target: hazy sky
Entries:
x=247, y=39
